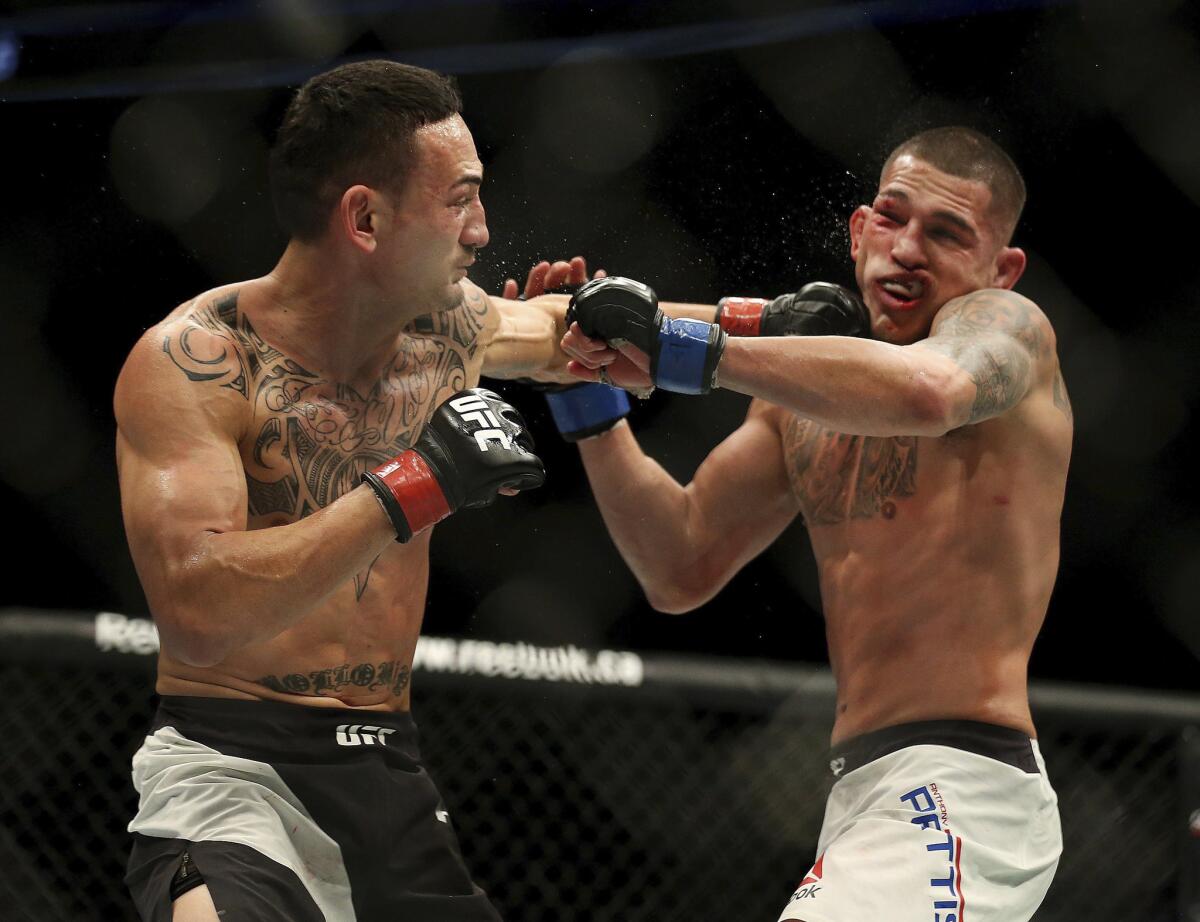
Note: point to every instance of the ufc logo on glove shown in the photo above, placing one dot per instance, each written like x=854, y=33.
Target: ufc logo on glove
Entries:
x=473, y=408
x=474, y=446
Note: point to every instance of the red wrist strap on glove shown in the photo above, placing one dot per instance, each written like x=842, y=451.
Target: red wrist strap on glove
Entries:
x=410, y=493
x=741, y=316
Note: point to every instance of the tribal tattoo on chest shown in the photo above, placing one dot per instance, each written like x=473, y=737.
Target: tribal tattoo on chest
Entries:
x=838, y=477
x=312, y=438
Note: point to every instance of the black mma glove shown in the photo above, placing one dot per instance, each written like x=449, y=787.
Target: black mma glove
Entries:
x=817, y=309
x=474, y=445
x=683, y=353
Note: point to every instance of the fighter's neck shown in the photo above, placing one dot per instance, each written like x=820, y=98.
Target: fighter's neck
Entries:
x=321, y=313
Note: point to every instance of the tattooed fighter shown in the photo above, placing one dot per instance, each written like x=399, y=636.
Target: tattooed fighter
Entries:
x=281, y=779
x=928, y=461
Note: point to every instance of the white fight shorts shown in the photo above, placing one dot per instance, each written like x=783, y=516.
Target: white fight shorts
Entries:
x=937, y=821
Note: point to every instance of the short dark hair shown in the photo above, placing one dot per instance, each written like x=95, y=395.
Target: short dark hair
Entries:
x=353, y=124
x=970, y=154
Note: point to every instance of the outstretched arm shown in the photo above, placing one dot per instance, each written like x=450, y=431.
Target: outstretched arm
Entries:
x=526, y=342
x=685, y=542
x=985, y=351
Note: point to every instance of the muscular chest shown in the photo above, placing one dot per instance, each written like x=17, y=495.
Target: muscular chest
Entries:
x=838, y=478
x=310, y=438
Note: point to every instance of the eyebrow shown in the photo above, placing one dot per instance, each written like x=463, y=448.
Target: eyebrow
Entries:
x=947, y=216
x=468, y=179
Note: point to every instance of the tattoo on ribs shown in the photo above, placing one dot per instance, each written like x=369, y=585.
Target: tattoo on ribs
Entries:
x=391, y=674
x=361, y=579
x=838, y=477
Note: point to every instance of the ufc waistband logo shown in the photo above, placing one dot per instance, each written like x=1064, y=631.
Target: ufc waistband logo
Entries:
x=474, y=409
x=359, y=735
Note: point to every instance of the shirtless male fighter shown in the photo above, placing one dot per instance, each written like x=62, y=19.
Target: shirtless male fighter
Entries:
x=928, y=460
x=281, y=779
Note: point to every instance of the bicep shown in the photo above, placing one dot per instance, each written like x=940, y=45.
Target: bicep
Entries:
x=180, y=470
x=741, y=493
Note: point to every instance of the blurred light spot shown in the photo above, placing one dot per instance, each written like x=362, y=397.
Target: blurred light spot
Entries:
x=1175, y=577
x=1108, y=382
x=164, y=162
x=1097, y=376
x=1149, y=71
x=56, y=440
x=10, y=54
x=306, y=28
x=537, y=610
x=840, y=95
x=598, y=117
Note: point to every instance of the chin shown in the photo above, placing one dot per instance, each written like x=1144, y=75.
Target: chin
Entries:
x=446, y=298
x=905, y=333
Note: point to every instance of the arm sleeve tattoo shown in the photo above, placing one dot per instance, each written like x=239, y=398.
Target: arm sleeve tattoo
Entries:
x=997, y=337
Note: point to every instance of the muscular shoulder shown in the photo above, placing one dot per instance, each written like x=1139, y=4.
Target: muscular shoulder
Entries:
x=996, y=312
x=1004, y=349
x=194, y=360
x=470, y=325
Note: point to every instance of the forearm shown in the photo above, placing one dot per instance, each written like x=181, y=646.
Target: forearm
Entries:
x=526, y=342
x=854, y=386
x=243, y=587
x=677, y=309
x=650, y=517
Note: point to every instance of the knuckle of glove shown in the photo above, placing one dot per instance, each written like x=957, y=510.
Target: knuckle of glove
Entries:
x=616, y=308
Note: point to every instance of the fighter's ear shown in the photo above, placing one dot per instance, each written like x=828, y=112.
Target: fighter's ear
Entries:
x=1010, y=266
x=357, y=217
x=858, y=220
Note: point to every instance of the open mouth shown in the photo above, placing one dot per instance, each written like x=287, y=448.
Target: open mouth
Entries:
x=900, y=294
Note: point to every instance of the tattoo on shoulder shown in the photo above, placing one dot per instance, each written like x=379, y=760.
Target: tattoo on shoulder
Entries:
x=996, y=337
x=237, y=363
x=1061, y=400
x=461, y=324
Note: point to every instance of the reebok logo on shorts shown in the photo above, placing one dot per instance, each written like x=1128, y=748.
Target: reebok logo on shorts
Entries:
x=808, y=887
x=358, y=735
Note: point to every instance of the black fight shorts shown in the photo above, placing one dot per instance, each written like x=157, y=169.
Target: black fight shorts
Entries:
x=293, y=813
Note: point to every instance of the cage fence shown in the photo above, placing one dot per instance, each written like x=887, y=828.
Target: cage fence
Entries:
x=590, y=785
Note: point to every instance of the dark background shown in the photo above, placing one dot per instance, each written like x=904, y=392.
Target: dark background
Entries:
x=707, y=148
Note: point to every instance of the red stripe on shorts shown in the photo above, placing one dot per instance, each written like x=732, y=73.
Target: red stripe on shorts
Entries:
x=962, y=900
